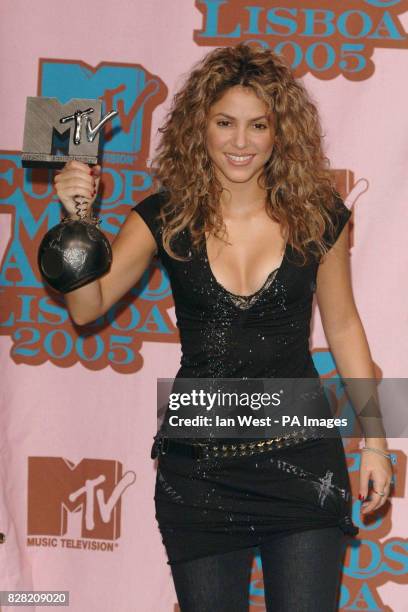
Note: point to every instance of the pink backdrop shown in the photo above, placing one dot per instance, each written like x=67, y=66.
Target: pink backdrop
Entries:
x=58, y=411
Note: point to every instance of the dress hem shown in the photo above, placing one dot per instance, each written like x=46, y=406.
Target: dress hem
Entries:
x=346, y=526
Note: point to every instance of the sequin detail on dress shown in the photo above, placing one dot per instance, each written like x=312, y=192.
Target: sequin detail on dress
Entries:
x=231, y=318
x=169, y=490
x=322, y=484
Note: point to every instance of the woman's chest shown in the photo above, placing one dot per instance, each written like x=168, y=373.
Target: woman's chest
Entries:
x=195, y=285
x=244, y=261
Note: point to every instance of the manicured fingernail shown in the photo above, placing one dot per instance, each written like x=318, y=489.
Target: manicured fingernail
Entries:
x=360, y=497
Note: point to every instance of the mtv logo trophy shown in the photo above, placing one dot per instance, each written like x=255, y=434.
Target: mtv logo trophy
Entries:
x=74, y=252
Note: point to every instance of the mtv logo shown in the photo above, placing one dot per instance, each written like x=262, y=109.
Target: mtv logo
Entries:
x=55, y=132
x=93, y=488
x=129, y=88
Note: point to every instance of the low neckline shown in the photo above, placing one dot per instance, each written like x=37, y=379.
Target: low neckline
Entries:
x=255, y=293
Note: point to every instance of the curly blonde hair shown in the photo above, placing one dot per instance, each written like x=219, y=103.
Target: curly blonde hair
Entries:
x=298, y=183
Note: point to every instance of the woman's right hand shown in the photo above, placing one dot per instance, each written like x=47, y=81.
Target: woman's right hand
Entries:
x=77, y=179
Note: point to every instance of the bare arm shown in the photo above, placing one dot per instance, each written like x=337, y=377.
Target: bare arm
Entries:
x=342, y=325
x=340, y=319
x=348, y=343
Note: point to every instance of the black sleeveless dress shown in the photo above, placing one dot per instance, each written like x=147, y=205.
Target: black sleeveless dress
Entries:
x=222, y=504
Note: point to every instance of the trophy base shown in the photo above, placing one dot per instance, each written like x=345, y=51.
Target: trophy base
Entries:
x=39, y=160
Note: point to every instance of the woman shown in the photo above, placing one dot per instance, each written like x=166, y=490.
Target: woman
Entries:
x=249, y=226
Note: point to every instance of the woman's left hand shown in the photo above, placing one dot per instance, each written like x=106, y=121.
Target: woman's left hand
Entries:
x=378, y=469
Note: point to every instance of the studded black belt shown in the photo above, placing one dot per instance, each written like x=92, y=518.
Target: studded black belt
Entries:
x=214, y=449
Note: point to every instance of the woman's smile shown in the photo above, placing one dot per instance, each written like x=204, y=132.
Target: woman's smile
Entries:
x=239, y=160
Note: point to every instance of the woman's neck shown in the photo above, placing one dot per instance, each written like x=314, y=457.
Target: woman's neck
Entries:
x=242, y=200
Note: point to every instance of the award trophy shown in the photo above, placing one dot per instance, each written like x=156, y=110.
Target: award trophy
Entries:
x=74, y=252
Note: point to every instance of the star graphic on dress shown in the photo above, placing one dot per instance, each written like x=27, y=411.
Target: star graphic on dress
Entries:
x=324, y=487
